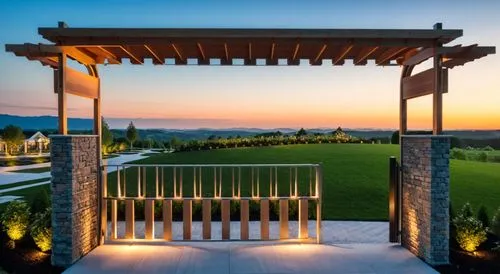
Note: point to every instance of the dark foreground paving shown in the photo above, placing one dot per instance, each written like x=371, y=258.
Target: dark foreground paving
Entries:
x=249, y=257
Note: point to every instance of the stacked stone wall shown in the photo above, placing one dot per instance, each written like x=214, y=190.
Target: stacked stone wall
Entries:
x=74, y=184
x=425, y=197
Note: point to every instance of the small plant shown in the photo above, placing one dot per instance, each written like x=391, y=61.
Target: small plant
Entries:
x=488, y=148
x=15, y=219
x=483, y=156
x=482, y=216
x=495, y=223
x=40, y=202
x=469, y=231
x=41, y=230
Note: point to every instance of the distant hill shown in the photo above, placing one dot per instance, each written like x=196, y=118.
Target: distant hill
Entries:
x=43, y=122
x=49, y=123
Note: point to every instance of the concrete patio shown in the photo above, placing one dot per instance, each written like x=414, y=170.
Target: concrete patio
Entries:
x=249, y=257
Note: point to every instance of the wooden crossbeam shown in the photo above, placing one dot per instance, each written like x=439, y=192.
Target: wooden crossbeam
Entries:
x=200, y=49
x=323, y=48
x=110, y=56
x=273, y=45
x=226, y=51
x=295, y=52
x=131, y=55
x=250, y=51
x=389, y=54
x=177, y=51
x=155, y=55
x=345, y=50
x=363, y=56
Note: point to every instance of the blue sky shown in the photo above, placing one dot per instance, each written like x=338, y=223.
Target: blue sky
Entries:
x=249, y=96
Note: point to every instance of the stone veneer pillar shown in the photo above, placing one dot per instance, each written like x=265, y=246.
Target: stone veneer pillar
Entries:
x=425, y=196
x=74, y=197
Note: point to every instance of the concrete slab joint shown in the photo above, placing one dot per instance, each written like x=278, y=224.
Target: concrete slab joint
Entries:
x=74, y=187
x=425, y=196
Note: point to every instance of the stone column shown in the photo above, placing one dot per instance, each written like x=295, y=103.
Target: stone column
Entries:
x=425, y=196
x=74, y=197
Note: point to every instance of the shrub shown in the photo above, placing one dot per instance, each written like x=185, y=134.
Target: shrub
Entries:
x=41, y=230
x=482, y=216
x=15, y=219
x=40, y=202
x=470, y=232
x=459, y=154
x=495, y=223
x=483, y=156
x=488, y=148
x=466, y=210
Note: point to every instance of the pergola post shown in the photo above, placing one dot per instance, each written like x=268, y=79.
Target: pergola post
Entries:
x=61, y=95
x=437, y=96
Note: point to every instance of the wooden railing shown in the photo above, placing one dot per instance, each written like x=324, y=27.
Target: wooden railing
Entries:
x=262, y=183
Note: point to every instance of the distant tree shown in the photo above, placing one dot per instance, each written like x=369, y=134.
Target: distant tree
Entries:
x=132, y=134
x=301, y=132
x=212, y=137
x=175, y=142
x=107, y=136
x=338, y=131
x=13, y=137
x=395, y=137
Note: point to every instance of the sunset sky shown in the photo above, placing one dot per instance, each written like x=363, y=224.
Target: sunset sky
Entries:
x=265, y=97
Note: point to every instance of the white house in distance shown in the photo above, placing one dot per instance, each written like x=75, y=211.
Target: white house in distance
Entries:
x=38, y=140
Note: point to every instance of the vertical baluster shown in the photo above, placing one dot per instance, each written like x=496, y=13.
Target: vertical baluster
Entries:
x=290, y=182
x=270, y=182
x=149, y=221
x=144, y=182
x=283, y=219
x=200, y=194
x=319, y=182
x=232, y=182
x=167, y=220
x=310, y=182
x=296, y=184
x=104, y=203
x=139, y=181
x=114, y=219
x=207, y=219
x=303, y=218
x=175, y=182
x=220, y=182
x=187, y=214
x=225, y=206
x=118, y=188
x=124, y=181
x=252, y=181
x=194, y=182
x=276, y=181
x=244, y=218
x=239, y=183
x=264, y=219
x=258, y=182
x=163, y=182
x=156, y=181
x=181, y=182
x=129, y=219
x=215, y=182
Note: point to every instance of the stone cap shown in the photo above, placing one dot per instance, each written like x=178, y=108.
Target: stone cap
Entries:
x=71, y=135
x=425, y=136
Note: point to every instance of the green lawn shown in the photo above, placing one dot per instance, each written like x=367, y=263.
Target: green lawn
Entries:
x=33, y=170
x=355, y=176
x=24, y=183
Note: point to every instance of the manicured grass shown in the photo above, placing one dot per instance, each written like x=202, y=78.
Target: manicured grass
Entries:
x=28, y=194
x=355, y=176
x=32, y=170
x=24, y=183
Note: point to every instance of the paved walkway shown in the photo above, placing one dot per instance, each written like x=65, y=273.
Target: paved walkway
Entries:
x=249, y=257
x=337, y=232
x=7, y=176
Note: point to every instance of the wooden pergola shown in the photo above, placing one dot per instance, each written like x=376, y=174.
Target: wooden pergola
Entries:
x=250, y=47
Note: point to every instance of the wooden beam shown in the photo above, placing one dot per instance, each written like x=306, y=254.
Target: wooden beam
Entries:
x=112, y=59
x=295, y=52
x=61, y=95
x=283, y=204
x=363, y=56
x=149, y=220
x=200, y=48
x=323, y=48
x=179, y=55
x=226, y=51
x=389, y=54
x=273, y=45
x=129, y=219
x=187, y=219
x=303, y=218
x=264, y=219
x=249, y=51
x=155, y=56
x=225, y=206
x=80, y=84
x=244, y=220
x=343, y=53
x=132, y=56
x=422, y=84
